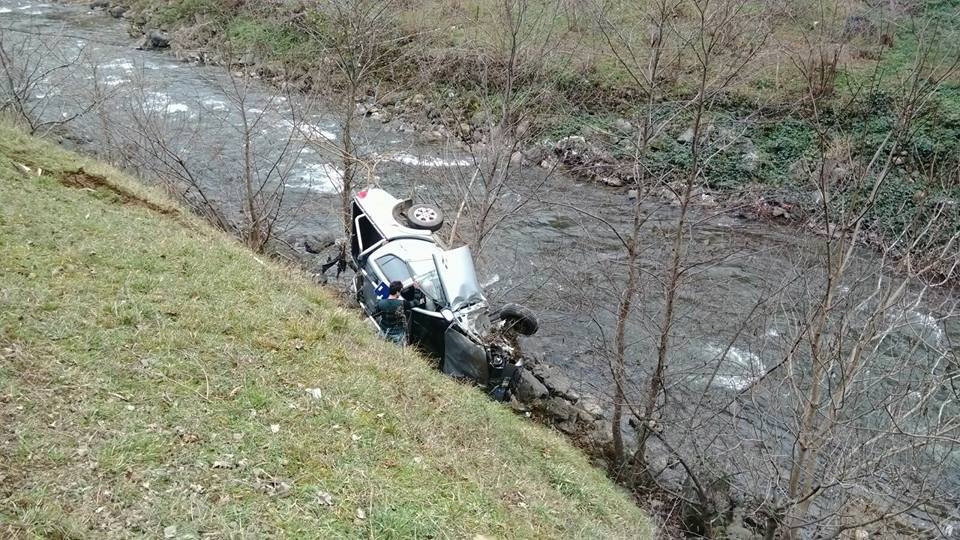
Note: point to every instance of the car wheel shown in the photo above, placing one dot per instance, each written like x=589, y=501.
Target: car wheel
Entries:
x=425, y=216
x=519, y=319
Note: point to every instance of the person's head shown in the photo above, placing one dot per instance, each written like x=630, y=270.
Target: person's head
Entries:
x=395, y=288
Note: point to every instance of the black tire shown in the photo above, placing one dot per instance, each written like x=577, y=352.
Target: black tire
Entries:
x=425, y=216
x=519, y=319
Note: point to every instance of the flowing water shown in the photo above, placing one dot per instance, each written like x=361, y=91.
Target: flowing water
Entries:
x=749, y=284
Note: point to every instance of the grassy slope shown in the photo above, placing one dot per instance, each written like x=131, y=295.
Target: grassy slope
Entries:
x=154, y=374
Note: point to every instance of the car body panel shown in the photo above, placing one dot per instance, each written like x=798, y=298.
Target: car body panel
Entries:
x=464, y=357
x=379, y=205
x=458, y=278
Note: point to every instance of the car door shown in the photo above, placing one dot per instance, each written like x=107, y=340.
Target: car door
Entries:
x=463, y=357
x=427, y=330
x=367, y=288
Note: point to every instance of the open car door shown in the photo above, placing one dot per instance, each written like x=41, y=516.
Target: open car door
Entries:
x=464, y=358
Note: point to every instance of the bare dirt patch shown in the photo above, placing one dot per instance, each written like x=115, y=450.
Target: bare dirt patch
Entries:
x=81, y=179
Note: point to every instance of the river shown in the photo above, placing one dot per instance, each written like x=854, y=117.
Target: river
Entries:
x=748, y=286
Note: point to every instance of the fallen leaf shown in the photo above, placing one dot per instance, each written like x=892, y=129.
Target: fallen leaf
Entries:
x=361, y=514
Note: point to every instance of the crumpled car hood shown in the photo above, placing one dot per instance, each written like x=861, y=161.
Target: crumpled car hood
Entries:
x=458, y=277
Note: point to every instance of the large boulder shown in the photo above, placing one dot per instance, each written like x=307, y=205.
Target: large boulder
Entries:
x=529, y=388
x=555, y=381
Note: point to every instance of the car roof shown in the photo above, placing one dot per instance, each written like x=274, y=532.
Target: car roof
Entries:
x=378, y=206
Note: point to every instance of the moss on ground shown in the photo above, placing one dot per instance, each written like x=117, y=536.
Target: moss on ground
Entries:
x=155, y=380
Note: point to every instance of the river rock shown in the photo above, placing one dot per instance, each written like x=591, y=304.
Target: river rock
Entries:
x=749, y=161
x=316, y=243
x=156, y=39
x=611, y=181
x=560, y=410
x=529, y=388
x=523, y=129
x=623, y=126
x=591, y=406
x=99, y=4
x=569, y=427
x=480, y=119
x=118, y=11
x=389, y=99
x=558, y=383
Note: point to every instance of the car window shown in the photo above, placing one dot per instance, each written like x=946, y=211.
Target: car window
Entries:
x=367, y=233
x=425, y=273
x=394, y=268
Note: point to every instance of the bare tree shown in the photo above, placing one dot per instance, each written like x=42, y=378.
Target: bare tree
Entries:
x=239, y=183
x=35, y=73
x=511, y=90
x=858, y=407
x=360, y=42
x=722, y=39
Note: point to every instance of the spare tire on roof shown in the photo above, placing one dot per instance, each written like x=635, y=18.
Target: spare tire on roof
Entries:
x=425, y=216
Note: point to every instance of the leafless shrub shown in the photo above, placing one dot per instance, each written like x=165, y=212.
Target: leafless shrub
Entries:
x=36, y=74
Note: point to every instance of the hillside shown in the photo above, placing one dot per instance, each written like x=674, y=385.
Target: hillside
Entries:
x=157, y=379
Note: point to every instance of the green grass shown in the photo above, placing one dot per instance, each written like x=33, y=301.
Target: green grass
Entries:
x=269, y=39
x=154, y=374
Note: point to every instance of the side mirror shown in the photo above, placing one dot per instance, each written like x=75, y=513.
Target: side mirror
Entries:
x=447, y=314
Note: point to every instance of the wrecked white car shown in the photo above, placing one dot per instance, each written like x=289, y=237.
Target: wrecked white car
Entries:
x=447, y=314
